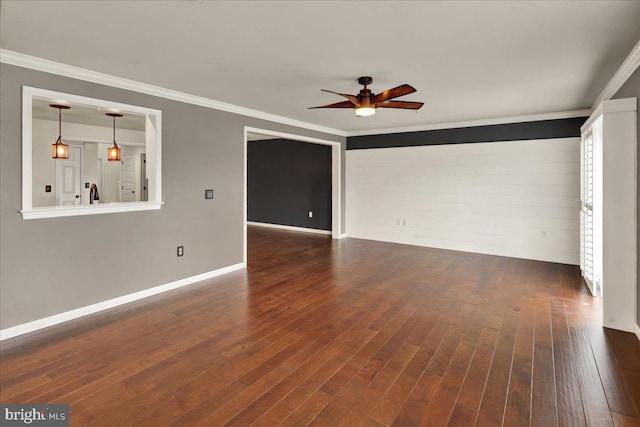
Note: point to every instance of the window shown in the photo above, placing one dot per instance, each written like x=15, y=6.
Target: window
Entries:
x=586, y=211
x=87, y=183
x=608, y=213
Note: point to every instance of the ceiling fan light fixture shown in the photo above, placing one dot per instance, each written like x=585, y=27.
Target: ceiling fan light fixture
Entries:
x=365, y=106
x=365, y=102
x=60, y=150
x=365, y=111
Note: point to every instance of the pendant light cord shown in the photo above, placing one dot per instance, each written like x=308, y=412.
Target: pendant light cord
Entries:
x=114, y=131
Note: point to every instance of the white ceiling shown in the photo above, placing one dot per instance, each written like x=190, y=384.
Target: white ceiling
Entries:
x=468, y=60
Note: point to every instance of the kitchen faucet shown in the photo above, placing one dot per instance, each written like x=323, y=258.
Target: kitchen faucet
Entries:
x=93, y=194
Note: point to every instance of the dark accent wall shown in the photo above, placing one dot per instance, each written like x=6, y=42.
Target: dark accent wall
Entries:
x=287, y=179
x=543, y=129
x=631, y=89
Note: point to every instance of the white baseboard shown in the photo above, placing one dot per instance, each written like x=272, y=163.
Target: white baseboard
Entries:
x=342, y=236
x=289, y=227
x=104, y=305
x=638, y=331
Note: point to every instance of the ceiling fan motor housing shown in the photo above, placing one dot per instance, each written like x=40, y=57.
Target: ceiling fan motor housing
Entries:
x=366, y=98
x=366, y=80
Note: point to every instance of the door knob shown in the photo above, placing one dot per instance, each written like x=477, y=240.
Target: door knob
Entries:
x=77, y=196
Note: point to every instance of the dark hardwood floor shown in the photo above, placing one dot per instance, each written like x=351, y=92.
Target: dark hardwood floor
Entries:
x=342, y=333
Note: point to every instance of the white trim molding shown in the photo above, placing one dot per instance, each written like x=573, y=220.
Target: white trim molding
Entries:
x=291, y=136
x=480, y=122
x=289, y=227
x=39, y=64
x=115, y=302
x=97, y=208
x=610, y=106
x=627, y=68
x=638, y=332
x=47, y=66
x=153, y=135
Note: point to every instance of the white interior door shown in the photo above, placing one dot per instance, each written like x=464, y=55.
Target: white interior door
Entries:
x=68, y=178
x=128, y=177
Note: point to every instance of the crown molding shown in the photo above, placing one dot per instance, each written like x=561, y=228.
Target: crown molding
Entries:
x=628, y=67
x=27, y=61
x=611, y=106
x=481, y=122
x=47, y=66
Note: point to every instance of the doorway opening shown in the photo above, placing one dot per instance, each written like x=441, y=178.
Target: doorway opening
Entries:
x=69, y=177
x=254, y=134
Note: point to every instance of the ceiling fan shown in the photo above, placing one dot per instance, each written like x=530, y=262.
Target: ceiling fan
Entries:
x=365, y=102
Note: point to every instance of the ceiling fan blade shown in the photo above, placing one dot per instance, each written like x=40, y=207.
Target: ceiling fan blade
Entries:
x=406, y=105
x=343, y=104
x=351, y=98
x=393, y=93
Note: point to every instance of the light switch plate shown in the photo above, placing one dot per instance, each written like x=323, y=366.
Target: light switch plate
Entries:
x=208, y=194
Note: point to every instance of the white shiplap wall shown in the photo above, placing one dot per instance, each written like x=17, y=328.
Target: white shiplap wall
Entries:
x=518, y=198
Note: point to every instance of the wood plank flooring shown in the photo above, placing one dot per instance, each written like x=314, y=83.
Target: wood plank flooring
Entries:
x=341, y=333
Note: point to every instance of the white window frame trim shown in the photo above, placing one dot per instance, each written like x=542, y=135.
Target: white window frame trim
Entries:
x=29, y=212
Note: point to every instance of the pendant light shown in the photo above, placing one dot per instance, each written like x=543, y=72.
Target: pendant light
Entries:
x=113, y=152
x=60, y=150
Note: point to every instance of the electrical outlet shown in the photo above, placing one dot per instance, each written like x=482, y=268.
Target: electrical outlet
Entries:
x=397, y=221
x=47, y=189
x=208, y=194
x=180, y=251
x=87, y=185
x=405, y=222
x=310, y=214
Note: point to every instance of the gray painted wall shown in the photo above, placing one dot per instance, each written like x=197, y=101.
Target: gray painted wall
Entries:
x=53, y=265
x=631, y=89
